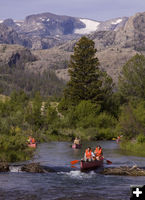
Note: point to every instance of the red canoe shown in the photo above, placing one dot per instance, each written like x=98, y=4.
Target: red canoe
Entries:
x=32, y=145
x=76, y=146
x=91, y=165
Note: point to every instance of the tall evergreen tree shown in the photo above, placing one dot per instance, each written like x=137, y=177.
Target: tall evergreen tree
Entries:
x=132, y=79
x=85, y=82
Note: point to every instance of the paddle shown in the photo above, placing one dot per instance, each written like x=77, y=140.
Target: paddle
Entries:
x=73, y=167
x=74, y=162
x=108, y=162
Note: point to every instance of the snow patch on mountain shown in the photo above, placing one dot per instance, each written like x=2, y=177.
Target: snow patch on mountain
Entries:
x=1, y=21
x=90, y=26
x=117, y=21
x=18, y=24
x=18, y=21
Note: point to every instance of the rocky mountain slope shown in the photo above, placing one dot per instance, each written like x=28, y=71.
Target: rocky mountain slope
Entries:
x=115, y=48
x=43, y=31
x=14, y=74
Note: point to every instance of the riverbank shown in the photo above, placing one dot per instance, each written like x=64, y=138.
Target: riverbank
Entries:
x=133, y=147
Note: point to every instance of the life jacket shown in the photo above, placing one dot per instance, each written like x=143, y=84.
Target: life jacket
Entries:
x=88, y=154
x=98, y=152
x=33, y=140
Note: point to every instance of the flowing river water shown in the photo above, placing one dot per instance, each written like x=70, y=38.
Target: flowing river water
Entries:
x=69, y=183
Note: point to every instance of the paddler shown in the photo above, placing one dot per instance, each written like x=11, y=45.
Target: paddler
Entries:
x=29, y=140
x=77, y=141
x=33, y=141
x=89, y=155
x=98, y=152
x=118, y=139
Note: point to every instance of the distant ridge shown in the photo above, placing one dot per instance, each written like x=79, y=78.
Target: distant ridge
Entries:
x=45, y=30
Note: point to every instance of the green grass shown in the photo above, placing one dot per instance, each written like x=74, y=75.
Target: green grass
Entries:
x=133, y=148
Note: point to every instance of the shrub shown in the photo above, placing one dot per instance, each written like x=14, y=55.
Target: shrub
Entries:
x=141, y=138
x=132, y=120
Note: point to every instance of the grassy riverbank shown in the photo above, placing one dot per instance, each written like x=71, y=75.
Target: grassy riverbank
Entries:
x=133, y=147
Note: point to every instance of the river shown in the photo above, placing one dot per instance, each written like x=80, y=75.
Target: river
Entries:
x=69, y=183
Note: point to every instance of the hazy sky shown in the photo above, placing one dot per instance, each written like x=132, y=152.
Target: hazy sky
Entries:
x=92, y=9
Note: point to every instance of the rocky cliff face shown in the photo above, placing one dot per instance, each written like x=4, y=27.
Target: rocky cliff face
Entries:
x=131, y=35
x=15, y=55
x=50, y=24
x=9, y=36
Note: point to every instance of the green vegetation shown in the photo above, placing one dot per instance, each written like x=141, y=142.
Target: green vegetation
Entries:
x=132, y=80
x=134, y=148
x=131, y=121
x=17, y=78
x=88, y=102
x=87, y=81
x=89, y=107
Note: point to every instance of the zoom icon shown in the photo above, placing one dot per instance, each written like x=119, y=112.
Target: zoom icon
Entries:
x=137, y=192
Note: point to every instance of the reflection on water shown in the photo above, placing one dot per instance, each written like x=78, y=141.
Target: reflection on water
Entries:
x=69, y=183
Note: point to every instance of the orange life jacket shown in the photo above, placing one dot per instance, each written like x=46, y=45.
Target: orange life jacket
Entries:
x=98, y=152
x=88, y=154
x=33, y=140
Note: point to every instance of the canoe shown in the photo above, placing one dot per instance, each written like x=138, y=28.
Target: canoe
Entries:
x=32, y=145
x=118, y=140
x=91, y=165
x=76, y=146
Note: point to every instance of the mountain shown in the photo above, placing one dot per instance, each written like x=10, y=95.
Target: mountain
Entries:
x=9, y=36
x=43, y=31
x=114, y=48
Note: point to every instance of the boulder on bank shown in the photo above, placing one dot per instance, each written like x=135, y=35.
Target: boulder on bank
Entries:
x=4, y=167
x=33, y=167
x=125, y=171
x=36, y=168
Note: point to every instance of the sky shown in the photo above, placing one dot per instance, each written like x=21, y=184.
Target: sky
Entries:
x=99, y=10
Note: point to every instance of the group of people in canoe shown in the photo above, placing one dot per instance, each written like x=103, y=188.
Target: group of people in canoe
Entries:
x=92, y=156
x=31, y=142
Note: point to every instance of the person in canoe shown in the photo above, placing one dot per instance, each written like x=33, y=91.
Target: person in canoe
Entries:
x=89, y=155
x=77, y=141
x=29, y=140
x=118, y=139
x=33, y=141
x=98, y=152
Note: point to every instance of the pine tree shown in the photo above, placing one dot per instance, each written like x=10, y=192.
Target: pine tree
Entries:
x=85, y=82
x=132, y=79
